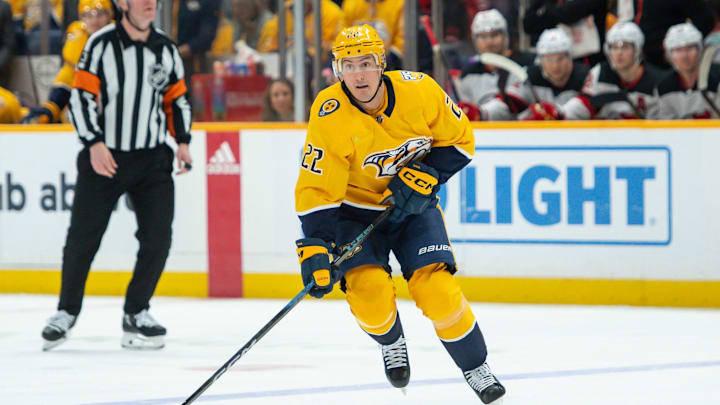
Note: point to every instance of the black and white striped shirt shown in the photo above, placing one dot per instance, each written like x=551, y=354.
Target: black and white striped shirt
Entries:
x=130, y=94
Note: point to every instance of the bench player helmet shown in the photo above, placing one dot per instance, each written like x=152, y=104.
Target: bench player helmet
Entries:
x=627, y=32
x=553, y=40
x=680, y=35
x=357, y=41
x=85, y=6
x=488, y=21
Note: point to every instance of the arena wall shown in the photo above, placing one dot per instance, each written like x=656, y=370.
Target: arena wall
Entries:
x=594, y=212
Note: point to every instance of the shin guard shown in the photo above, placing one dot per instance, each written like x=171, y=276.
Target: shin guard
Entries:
x=438, y=295
x=371, y=295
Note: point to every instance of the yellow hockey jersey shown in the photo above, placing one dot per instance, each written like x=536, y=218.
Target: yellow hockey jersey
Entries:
x=332, y=21
x=387, y=12
x=75, y=38
x=351, y=155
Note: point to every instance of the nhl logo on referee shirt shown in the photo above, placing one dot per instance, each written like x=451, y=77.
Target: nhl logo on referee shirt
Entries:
x=223, y=161
x=158, y=77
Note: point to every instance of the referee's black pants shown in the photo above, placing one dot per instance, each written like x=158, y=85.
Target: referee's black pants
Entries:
x=146, y=176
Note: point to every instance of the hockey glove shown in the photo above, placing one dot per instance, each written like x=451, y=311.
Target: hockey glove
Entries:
x=545, y=111
x=314, y=256
x=40, y=115
x=411, y=191
x=471, y=110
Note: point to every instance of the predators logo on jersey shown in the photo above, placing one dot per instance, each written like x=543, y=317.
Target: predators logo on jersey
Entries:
x=389, y=162
x=328, y=107
x=411, y=75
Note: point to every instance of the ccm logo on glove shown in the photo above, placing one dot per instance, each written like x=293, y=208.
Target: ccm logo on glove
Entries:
x=421, y=182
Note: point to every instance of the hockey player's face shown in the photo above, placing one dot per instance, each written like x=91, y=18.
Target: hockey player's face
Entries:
x=361, y=75
x=493, y=42
x=685, y=58
x=95, y=19
x=557, y=67
x=622, y=55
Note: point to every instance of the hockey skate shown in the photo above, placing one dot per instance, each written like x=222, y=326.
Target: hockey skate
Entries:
x=397, y=366
x=485, y=384
x=142, y=332
x=57, y=329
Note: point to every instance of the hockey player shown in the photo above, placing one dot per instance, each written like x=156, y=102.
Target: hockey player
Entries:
x=94, y=14
x=551, y=83
x=480, y=83
x=677, y=92
x=373, y=137
x=621, y=88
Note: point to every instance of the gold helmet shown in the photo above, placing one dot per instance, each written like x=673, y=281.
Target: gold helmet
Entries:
x=88, y=5
x=357, y=41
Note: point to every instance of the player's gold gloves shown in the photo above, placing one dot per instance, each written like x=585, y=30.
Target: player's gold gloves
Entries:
x=314, y=256
x=411, y=191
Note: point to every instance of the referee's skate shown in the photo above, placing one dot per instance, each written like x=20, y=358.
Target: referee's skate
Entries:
x=142, y=332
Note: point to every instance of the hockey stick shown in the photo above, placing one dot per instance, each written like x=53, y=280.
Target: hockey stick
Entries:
x=510, y=66
x=600, y=100
x=703, y=76
x=32, y=80
x=350, y=249
x=425, y=21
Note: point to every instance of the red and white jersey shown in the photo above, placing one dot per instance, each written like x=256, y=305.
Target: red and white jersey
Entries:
x=480, y=83
x=606, y=96
x=676, y=100
x=518, y=96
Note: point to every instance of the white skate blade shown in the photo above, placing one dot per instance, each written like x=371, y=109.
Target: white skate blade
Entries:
x=404, y=390
x=136, y=341
x=498, y=401
x=51, y=344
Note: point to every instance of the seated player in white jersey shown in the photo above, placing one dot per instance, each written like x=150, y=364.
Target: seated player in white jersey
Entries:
x=479, y=82
x=621, y=88
x=551, y=82
x=678, y=94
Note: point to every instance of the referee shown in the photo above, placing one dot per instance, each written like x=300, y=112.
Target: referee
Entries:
x=128, y=97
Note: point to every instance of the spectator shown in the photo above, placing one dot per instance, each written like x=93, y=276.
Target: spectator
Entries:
x=385, y=16
x=551, y=83
x=9, y=108
x=195, y=27
x=94, y=14
x=332, y=22
x=588, y=33
x=247, y=18
x=7, y=41
x=278, y=102
x=678, y=95
x=479, y=83
x=655, y=17
x=621, y=88
x=33, y=26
